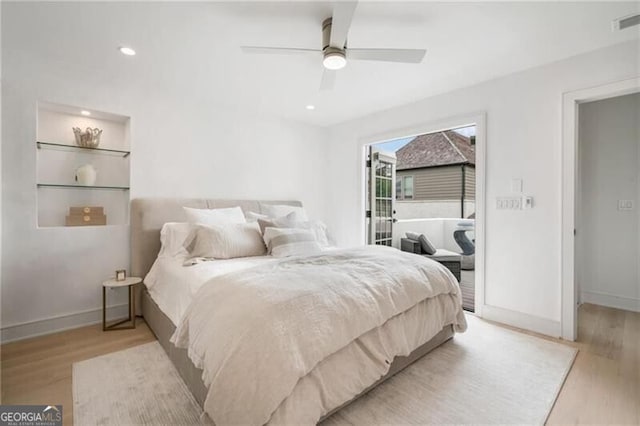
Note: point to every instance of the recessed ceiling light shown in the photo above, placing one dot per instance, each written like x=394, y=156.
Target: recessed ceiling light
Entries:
x=85, y=112
x=310, y=107
x=126, y=51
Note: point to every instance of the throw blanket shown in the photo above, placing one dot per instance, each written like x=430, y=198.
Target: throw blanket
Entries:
x=257, y=332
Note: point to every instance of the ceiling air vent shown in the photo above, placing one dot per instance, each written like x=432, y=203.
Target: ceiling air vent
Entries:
x=625, y=22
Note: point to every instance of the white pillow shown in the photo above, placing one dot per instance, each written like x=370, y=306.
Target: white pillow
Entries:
x=284, y=242
x=279, y=210
x=226, y=241
x=319, y=230
x=172, y=238
x=253, y=216
x=215, y=216
x=291, y=220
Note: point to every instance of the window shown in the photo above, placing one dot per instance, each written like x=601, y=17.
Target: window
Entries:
x=404, y=188
x=408, y=187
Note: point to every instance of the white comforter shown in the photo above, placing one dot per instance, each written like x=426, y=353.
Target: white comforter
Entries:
x=289, y=341
x=173, y=286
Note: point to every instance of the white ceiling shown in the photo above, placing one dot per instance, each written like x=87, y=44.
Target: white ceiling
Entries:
x=193, y=48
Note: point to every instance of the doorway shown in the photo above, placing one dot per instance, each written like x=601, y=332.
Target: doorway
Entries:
x=607, y=220
x=425, y=185
x=571, y=201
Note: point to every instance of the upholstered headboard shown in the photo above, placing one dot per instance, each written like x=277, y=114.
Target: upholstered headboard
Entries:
x=149, y=214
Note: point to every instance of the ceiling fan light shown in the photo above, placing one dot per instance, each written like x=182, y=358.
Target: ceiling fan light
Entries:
x=334, y=60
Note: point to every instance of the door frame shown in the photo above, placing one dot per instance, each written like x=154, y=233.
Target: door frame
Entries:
x=480, y=121
x=371, y=238
x=569, y=193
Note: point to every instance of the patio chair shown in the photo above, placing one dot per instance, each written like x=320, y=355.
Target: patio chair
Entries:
x=420, y=244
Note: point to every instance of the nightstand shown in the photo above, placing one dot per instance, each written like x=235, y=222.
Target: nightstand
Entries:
x=112, y=283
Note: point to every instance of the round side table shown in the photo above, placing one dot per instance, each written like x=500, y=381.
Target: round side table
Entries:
x=112, y=283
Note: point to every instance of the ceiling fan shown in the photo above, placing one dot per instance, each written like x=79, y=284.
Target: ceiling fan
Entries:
x=335, y=52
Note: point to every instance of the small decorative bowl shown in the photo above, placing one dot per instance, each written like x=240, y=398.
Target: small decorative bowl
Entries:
x=90, y=138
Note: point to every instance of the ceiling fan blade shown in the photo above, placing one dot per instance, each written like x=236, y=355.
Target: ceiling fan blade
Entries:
x=412, y=56
x=341, y=22
x=328, y=79
x=264, y=50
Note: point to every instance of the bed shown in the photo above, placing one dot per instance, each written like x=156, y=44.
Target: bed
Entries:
x=164, y=315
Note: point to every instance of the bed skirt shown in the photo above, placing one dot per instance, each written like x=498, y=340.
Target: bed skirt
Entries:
x=163, y=328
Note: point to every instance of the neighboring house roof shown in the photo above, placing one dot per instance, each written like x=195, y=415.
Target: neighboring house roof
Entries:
x=436, y=149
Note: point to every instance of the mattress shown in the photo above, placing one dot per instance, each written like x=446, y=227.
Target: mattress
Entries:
x=172, y=286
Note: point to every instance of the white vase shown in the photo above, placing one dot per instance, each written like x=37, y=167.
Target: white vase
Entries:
x=86, y=175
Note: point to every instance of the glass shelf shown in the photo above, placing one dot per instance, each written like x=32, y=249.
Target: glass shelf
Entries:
x=65, y=186
x=66, y=147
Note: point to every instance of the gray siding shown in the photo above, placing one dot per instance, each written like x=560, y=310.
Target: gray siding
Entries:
x=470, y=187
x=440, y=183
x=436, y=183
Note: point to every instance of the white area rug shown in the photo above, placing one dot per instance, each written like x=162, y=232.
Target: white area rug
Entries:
x=137, y=386
x=487, y=375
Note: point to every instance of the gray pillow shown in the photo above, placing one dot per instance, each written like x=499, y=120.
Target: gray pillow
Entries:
x=426, y=245
x=413, y=236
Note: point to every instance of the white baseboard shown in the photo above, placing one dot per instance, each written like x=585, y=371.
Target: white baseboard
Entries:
x=610, y=300
x=60, y=323
x=525, y=321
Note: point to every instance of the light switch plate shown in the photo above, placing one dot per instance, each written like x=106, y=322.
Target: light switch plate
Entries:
x=509, y=203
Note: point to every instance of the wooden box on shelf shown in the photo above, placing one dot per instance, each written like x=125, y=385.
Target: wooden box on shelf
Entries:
x=93, y=211
x=86, y=216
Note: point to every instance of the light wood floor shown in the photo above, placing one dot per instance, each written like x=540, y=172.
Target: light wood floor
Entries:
x=603, y=386
x=38, y=370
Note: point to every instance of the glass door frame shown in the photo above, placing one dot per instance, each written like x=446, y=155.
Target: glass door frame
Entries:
x=381, y=197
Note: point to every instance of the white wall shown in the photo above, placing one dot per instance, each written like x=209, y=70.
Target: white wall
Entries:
x=182, y=145
x=432, y=209
x=523, y=113
x=608, y=238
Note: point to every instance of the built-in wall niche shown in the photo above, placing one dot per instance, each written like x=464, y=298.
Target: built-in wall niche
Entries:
x=59, y=157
